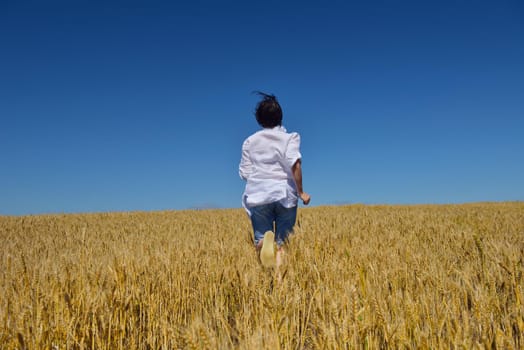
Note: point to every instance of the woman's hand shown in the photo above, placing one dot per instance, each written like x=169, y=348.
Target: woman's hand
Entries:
x=305, y=198
x=297, y=175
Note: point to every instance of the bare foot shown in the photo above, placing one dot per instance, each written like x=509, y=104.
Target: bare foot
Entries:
x=280, y=256
x=267, y=253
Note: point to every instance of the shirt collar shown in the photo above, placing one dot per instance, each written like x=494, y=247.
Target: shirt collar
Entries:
x=278, y=128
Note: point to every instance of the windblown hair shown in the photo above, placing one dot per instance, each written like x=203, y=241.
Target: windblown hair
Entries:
x=268, y=111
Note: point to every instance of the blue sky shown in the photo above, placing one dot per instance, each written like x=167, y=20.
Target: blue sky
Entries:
x=130, y=105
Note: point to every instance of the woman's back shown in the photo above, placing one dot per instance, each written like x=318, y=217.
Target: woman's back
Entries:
x=268, y=150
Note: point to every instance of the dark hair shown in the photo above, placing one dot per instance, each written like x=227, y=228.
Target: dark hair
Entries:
x=268, y=111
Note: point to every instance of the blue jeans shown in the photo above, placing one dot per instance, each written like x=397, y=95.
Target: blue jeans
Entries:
x=263, y=216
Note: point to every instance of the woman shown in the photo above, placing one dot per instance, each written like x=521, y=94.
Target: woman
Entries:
x=271, y=165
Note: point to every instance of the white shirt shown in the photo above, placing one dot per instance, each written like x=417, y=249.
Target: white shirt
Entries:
x=267, y=158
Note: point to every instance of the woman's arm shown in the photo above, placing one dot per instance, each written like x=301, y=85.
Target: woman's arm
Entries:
x=246, y=167
x=297, y=175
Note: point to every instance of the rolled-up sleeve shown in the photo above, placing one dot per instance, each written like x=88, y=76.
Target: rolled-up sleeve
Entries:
x=246, y=167
x=293, y=150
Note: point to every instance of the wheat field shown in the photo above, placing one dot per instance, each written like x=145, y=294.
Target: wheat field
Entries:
x=355, y=277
